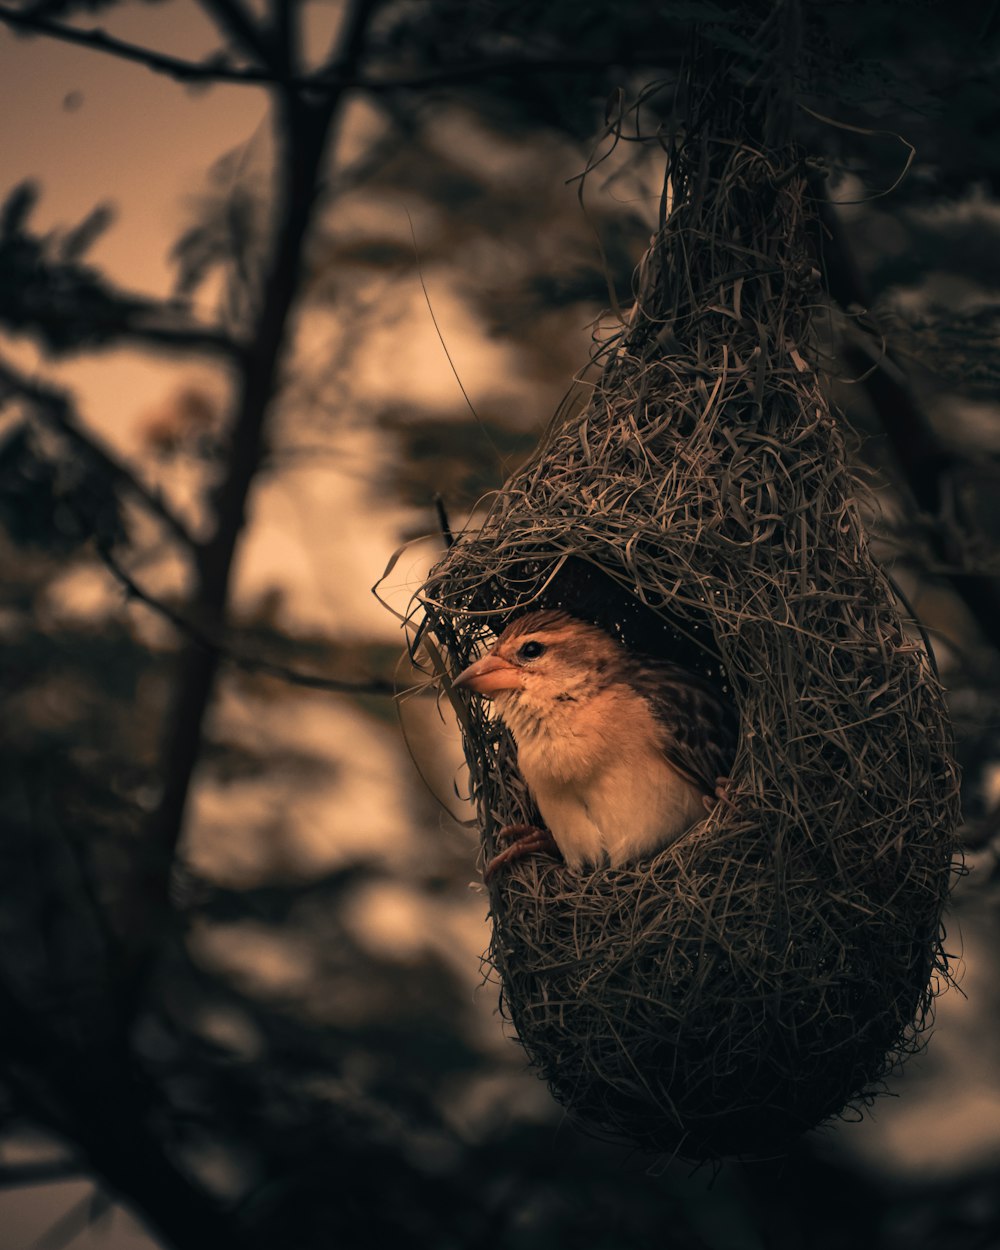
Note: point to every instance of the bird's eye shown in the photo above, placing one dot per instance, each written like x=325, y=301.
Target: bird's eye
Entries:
x=531, y=650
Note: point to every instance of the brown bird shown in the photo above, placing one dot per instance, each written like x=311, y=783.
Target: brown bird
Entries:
x=622, y=752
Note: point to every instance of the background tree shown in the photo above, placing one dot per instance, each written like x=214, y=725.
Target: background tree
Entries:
x=238, y=947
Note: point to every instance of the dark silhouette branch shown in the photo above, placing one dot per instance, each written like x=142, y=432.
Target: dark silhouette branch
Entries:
x=236, y=21
x=304, y=132
x=56, y=410
x=444, y=524
x=333, y=79
x=924, y=459
x=216, y=69
x=180, y=338
x=283, y=33
x=249, y=663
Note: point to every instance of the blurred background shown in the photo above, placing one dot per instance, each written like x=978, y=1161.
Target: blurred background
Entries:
x=283, y=284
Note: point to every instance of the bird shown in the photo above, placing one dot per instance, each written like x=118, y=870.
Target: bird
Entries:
x=621, y=751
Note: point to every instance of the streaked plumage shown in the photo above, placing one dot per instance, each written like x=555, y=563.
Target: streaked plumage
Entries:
x=619, y=750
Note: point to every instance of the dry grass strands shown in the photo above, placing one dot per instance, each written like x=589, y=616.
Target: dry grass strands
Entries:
x=768, y=969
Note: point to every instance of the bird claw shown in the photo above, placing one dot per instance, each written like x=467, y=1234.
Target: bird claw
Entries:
x=526, y=840
x=719, y=795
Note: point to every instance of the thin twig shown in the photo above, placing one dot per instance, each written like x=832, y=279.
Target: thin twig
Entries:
x=249, y=663
x=216, y=69
x=444, y=524
x=219, y=69
x=236, y=21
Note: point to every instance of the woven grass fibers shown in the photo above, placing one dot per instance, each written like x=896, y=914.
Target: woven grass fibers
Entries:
x=768, y=969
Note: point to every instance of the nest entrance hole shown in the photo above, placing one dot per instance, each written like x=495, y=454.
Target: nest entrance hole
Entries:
x=586, y=590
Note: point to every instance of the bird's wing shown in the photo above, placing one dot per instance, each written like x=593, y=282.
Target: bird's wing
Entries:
x=699, y=726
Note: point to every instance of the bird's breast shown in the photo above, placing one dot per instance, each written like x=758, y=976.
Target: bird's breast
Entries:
x=602, y=783
x=640, y=806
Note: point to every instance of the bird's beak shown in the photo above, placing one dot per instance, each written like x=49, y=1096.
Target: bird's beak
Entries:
x=490, y=675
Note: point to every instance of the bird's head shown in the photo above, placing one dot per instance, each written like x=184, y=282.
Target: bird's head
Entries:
x=542, y=657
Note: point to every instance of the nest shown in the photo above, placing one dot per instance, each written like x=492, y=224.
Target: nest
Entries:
x=769, y=968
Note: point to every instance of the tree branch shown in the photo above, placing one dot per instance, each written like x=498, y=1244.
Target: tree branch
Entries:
x=56, y=409
x=332, y=79
x=191, y=338
x=216, y=69
x=249, y=663
x=235, y=21
x=284, y=29
x=302, y=141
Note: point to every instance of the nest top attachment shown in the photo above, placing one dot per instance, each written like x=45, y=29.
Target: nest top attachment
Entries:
x=771, y=966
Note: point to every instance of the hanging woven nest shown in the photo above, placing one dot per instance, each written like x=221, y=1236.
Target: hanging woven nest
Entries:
x=770, y=967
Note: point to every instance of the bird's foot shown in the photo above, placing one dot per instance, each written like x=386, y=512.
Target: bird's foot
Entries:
x=526, y=840
x=719, y=795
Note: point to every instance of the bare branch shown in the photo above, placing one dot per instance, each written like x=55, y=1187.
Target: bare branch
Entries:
x=284, y=31
x=249, y=663
x=216, y=69
x=56, y=409
x=236, y=21
x=444, y=524
x=188, y=338
x=332, y=79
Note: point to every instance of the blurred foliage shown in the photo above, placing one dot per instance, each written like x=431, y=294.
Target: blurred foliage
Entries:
x=46, y=288
x=51, y=500
x=305, y=1084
